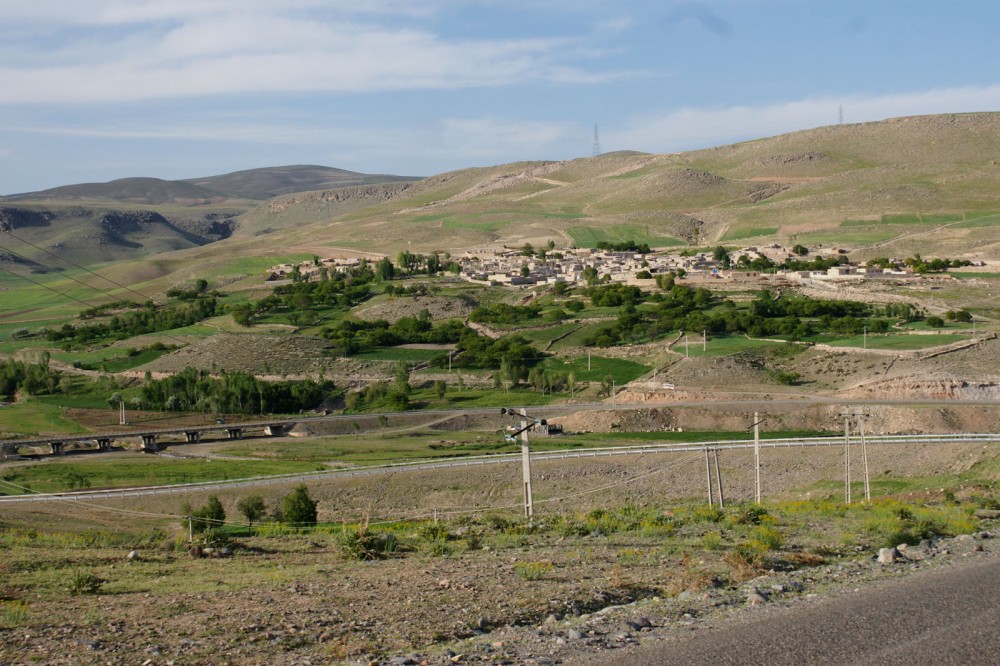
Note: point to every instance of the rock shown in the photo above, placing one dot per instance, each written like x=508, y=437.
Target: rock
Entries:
x=444, y=583
x=964, y=537
x=639, y=623
x=978, y=548
x=552, y=619
x=985, y=535
x=888, y=555
x=403, y=661
x=133, y=555
x=574, y=635
x=756, y=597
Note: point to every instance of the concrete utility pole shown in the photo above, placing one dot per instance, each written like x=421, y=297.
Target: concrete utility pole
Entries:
x=718, y=479
x=708, y=476
x=756, y=455
x=847, y=460
x=704, y=341
x=527, y=423
x=864, y=454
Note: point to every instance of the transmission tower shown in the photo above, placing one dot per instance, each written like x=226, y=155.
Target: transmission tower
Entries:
x=597, y=142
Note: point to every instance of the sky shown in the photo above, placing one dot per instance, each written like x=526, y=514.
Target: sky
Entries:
x=93, y=90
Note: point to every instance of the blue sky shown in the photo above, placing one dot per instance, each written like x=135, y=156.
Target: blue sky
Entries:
x=92, y=90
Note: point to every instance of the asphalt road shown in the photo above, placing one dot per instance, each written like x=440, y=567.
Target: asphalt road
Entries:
x=949, y=616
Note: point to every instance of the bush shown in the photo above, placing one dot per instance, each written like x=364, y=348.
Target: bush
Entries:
x=298, y=509
x=207, y=517
x=360, y=543
x=252, y=507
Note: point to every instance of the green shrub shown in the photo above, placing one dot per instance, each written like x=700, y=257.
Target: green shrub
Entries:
x=361, y=543
x=83, y=582
x=298, y=509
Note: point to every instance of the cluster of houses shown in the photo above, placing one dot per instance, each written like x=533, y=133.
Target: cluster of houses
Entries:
x=509, y=267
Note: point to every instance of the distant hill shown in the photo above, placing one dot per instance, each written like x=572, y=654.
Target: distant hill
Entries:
x=899, y=186
x=252, y=185
x=149, y=191
x=263, y=184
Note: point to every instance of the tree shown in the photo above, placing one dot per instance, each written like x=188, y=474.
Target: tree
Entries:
x=802, y=250
x=298, y=508
x=252, y=507
x=401, y=382
x=935, y=321
x=115, y=399
x=384, y=270
x=208, y=517
x=440, y=387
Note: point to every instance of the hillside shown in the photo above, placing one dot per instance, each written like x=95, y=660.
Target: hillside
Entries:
x=897, y=186
x=270, y=182
x=133, y=218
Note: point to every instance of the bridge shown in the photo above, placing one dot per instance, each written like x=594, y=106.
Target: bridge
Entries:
x=652, y=448
x=149, y=440
x=152, y=440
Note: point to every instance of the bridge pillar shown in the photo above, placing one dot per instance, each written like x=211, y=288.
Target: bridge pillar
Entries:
x=104, y=443
x=277, y=430
x=149, y=442
x=235, y=433
x=192, y=437
x=56, y=447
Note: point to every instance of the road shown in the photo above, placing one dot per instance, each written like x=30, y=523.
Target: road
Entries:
x=948, y=616
x=652, y=448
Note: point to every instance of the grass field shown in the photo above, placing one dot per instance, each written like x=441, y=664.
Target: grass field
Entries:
x=591, y=236
x=753, y=232
x=901, y=342
x=399, y=354
x=33, y=416
x=125, y=471
x=620, y=370
x=720, y=346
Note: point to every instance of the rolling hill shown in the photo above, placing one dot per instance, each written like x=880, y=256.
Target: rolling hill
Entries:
x=928, y=184
x=894, y=186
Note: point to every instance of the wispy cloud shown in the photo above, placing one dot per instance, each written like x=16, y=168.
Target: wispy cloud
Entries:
x=701, y=14
x=704, y=127
x=162, y=50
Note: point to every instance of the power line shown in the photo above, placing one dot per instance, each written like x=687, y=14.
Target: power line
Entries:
x=45, y=286
x=72, y=263
x=88, y=286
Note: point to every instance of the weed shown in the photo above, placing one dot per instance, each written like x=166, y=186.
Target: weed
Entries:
x=767, y=538
x=712, y=541
x=532, y=570
x=83, y=582
x=746, y=561
x=688, y=577
x=360, y=543
x=438, y=548
x=434, y=532
x=13, y=613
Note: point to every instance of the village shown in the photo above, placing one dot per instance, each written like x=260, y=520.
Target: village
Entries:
x=516, y=267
